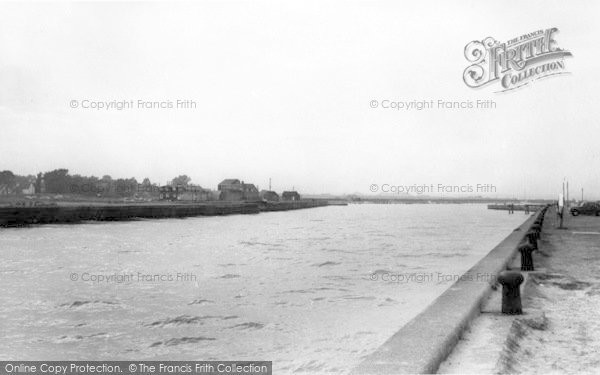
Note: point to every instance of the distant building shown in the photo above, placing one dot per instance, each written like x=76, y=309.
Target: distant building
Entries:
x=230, y=183
x=236, y=190
x=167, y=193
x=268, y=195
x=29, y=190
x=193, y=193
x=189, y=193
x=290, y=196
x=250, y=192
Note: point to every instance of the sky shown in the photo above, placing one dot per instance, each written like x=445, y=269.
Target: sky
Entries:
x=283, y=90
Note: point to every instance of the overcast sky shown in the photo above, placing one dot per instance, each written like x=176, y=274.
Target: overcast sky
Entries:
x=283, y=90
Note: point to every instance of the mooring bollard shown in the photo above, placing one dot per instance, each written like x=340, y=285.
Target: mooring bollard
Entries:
x=532, y=238
x=511, y=293
x=526, y=258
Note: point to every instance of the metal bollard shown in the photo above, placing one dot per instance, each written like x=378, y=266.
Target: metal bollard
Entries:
x=532, y=238
x=511, y=293
x=526, y=258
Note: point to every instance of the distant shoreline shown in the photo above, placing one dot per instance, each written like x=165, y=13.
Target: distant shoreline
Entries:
x=76, y=199
x=70, y=212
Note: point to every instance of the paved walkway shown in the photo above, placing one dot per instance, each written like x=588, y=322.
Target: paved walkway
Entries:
x=560, y=330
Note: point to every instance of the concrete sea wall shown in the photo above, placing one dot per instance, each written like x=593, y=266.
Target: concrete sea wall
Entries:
x=17, y=216
x=421, y=345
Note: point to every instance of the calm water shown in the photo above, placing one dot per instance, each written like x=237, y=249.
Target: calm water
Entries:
x=292, y=287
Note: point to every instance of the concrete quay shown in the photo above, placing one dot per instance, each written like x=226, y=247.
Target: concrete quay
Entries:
x=425, y=342
x=559, y=331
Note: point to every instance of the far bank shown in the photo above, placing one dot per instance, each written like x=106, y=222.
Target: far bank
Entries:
x=69, y=212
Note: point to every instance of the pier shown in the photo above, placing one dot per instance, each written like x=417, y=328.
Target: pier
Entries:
x=532, y=207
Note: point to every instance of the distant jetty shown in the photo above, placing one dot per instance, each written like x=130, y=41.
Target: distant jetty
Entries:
x=527, y=207
x=53, y=214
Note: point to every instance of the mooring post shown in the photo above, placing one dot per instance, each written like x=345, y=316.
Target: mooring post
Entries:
x=538, y=230
x=526, y=258
x=532, y=238
x=511, y=293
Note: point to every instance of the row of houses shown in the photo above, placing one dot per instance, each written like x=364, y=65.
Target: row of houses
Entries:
x=186, y=193
x=236, y=190
x=228, y=190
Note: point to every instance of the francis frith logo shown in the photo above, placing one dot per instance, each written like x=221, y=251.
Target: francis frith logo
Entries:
x=514, y=63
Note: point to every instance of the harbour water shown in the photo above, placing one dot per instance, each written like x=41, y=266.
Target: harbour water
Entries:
x=311, y=290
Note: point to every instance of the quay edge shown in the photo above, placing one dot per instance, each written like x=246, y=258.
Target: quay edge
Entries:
x=421, y=345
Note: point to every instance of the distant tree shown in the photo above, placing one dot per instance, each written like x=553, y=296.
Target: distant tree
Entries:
x=9, y=179
x=133, y=183
x=77, y=185
x=92, y=185
x=93, y=180
x=126, y=187
x=148, y=188
x=83, y=185
x=182, y=180
x=104, y=185
x=57, y=181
